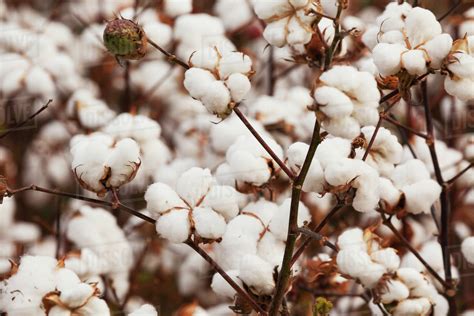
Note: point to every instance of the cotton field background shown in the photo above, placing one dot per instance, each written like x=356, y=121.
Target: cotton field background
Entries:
x=236, y=157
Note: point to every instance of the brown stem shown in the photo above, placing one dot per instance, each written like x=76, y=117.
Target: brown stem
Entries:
x=407, y=244
x=372, y=139
x=453, y=179
x=320, y=226
x=444, y=198
x=226, y=277
x=285, y=271
x=262, y=142
x=451, y=10
x=172, y=58
x=271, y=75
x=392, y=120
x=44, y=107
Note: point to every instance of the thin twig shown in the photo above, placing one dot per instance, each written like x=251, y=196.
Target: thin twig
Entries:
x=285, y=271
x=317, y=237
x=453, y=179
x=172, y=58
x=451, y=10
x=226, y=277
x=271, y=70
x=407, y=244
x=262, y=142
x=392, y=120
x=44, y=107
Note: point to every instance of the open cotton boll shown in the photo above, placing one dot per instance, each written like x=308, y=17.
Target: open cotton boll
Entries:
x=352, y=239
x=467, y=249
x=387, y=58
x=275, y=33
x=410, y=277
x=387, y=257
x=271, y=249
x=333, y=102
x=413, y=306
x=409, y=172
x=123, y=161
x=208, y=224
x=395, y=291
x=233, y=63
x=257, y=274
x=77, y=295
x=197, y=82
x=314, y=181
x=421, y=195
x=222, y=288
x=174, y=226
x=222, y=199
x=216, y=98
x=353, y=262
x=388, y=192
x=332, y=149
x=239, y=85
x=420, y=26
x=347, y=127
x=161, y=197
x=372, y=274
x=194, y=184
x=280, y=220
x=145, y=309
x=233, y=247
x=438, y=48
x=139, y=127
x=414, y=62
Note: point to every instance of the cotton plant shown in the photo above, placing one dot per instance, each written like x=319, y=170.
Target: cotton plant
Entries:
x=105, y=245
x=198, y=206
x=247, y=163
x=253, y=246
x=460, y=69
x=346, y=99
x=43, y=286
x=407, y=39
x=218, y=79
x=112, y=165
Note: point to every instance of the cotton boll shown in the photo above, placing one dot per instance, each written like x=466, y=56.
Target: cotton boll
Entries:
x=296, y=154
x=174, y=226
x=410, y=277
x=353, y=262
x=280, y=221
x=194, y=184
x=271, y=249
x=233, y=63
x=197, y=82
x=275, y=33
x=161, y=197
x=438, y=48
x=39, y=82
x=460, y=88
x=420, y=26
x=123, y=162
x=440, y=305
x=248, y=168
x=333, y=102
x=217, y=98
x=388, y=192
x=233, y=247
x=467, y=249
x=222, y=199
x=387, y=58
x=95, y=306
x=77, y=295
x=414, y=62
x=347, y=127
x=409, y=172
x=372, y=274
x=208, y=224
x=222, y=288
x=352, y=239
x=387, y=257
x=421, y=195
x=332, y=149
x=257, y=274
x=416, y=306
x=266, y=10
x=239, y=85
x=395, y=291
